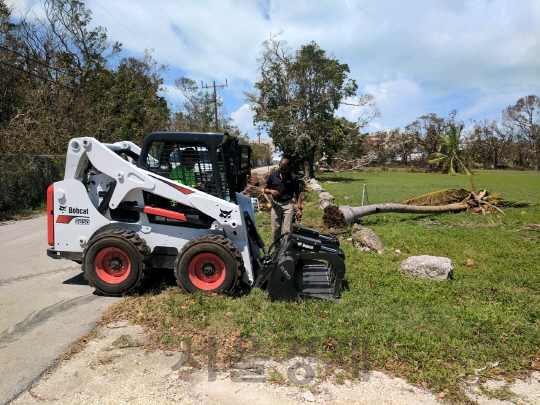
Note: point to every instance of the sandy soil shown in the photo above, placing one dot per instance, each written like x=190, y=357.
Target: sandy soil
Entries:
x=115, y=369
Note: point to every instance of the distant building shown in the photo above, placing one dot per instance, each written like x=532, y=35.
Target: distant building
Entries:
x=269, y=143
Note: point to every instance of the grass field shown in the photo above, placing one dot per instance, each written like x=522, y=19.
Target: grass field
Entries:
x=435, y=334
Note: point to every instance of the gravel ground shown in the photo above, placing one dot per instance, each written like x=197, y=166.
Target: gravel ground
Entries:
x=114, y=369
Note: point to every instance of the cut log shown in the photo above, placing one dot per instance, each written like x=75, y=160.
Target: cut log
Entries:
x=350, y=215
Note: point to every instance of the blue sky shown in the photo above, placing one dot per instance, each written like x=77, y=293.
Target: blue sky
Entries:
x=415, y=57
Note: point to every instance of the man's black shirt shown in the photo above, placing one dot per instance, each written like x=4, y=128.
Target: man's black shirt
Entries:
x=288, y=187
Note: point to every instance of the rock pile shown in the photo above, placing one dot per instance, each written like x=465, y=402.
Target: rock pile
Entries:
x=325, y=199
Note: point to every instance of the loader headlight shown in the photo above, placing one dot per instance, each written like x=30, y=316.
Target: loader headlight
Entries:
x=255, y=202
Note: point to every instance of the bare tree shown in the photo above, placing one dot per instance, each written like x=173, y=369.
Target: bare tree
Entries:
x=524, y=118
x=426, y=130
x=401, y=143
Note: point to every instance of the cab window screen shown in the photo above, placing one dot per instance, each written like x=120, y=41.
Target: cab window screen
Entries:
x=190, y=165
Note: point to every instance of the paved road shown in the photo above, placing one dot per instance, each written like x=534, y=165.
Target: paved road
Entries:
x=263, y=169
x=45, y=305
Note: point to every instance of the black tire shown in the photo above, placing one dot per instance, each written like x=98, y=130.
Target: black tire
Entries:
x=116, y=262
x=209, y=263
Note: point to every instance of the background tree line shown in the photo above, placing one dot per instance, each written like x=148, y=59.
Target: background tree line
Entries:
x=60, y=78
x=513, y=140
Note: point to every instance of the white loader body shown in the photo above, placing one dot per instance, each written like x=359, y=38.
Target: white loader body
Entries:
x=76, y=217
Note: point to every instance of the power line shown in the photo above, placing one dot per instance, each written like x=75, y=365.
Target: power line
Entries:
x=168, y=57
x=35, y=75
x=189, y=42
x=135, y=35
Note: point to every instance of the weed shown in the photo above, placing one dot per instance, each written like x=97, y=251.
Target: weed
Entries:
x=22, y=213
x=106, y=359
x=313, y=388
x=340, y=377
x=275, y=377
x=125, y=341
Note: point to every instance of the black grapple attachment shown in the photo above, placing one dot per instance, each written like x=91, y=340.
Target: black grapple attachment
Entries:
x=306, y=265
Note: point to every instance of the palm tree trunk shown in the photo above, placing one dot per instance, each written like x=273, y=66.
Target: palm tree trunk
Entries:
x=352, y=214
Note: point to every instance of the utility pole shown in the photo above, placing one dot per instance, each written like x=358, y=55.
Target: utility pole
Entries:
x=215, y=99
x=259, y=134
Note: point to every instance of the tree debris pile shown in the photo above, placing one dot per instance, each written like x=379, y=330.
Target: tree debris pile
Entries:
x=255, y=189
x=442, y=197
x=491, y=202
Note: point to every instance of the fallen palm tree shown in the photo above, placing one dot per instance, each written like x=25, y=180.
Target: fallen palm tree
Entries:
x=451, y=200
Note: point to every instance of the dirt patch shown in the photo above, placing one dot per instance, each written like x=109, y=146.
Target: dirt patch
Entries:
x=118, y=368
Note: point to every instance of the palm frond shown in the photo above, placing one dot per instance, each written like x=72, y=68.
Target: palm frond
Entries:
x=453, y=137
x=462, y=168
x=443, y=140
x=436, y=157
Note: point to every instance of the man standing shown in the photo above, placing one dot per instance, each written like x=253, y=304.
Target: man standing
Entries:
x=284, y=187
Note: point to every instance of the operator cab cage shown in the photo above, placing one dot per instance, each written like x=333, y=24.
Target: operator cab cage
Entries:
x=214, y=163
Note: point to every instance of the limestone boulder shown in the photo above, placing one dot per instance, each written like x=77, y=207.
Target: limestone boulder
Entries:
x=316, y=188
x=427, y=267
x=366, y=240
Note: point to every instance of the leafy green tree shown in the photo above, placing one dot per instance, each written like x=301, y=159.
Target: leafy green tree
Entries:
x=451, y=161
x=260, y=153
x=296, y=99
x=81, y=51
x=125, y=104
x=12, y=94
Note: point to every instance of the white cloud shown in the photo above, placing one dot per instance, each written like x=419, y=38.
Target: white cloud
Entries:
x=400, y=100
x=243, y=119
x=172, y=94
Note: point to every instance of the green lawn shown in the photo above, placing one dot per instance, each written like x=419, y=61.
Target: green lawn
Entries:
x=434, y=334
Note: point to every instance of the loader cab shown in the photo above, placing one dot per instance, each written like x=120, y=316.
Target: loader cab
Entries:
x=214, y=163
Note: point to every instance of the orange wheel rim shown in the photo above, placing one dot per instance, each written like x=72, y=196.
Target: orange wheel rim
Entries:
x=207, y=271
x=112, y=265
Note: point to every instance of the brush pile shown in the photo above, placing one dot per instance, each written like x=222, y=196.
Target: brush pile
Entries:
x=255, y=189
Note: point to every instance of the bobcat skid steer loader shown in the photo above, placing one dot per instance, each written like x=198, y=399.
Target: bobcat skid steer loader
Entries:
x=122, y=210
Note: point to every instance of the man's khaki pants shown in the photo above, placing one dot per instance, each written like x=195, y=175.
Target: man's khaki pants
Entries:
x=282, y=217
